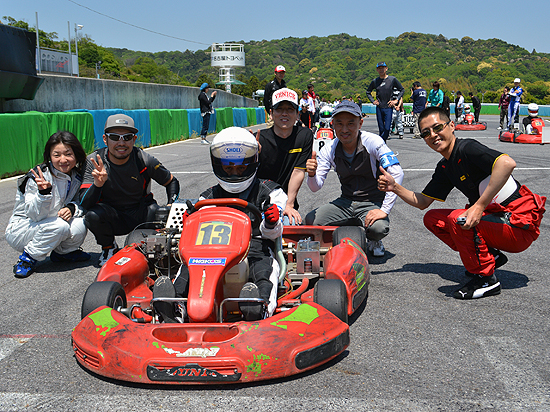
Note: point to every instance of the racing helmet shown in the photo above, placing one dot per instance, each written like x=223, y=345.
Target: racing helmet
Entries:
x=466, y=108
x=533, y=109
x=234, y=146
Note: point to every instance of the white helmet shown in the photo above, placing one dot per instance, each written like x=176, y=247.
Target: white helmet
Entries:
x=466, y=108
x=533, y=109
x=234, y=146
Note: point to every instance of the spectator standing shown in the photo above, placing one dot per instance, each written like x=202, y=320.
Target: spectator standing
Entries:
x=503, y=104
x=306, y=105
x=477, y=106
x=277, y=83
x=206, y=109
x=385, y=99
x=446, y=105
x=285, y=148
x=435, y=98
x=459, y=106
x=515, y=99
x=315, y=99
x=116, y=190
x=419, y=98
x=397, y=116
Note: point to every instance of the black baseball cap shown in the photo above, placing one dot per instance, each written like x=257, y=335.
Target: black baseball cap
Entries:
x=348, y=107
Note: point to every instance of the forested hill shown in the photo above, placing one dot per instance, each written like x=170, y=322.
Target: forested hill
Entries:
x=338, y=65
x=344, y=65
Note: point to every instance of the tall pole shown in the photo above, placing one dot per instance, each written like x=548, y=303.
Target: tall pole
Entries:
x=76, y=47
x=70, y=55
x=38, y=46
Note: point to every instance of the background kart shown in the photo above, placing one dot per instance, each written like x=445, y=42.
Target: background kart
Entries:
x=542, y=135
x=324, y=279
x=469, y=124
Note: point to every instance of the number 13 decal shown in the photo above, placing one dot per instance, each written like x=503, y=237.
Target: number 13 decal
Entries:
x=214, y=233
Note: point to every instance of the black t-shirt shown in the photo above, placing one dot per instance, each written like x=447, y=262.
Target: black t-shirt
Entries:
x=127, y=184
x=279, y=157
x=469, y=164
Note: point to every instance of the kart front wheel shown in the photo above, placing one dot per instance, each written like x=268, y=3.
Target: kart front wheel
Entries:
x=355, y=233
x=103, y=294
x=331, y=294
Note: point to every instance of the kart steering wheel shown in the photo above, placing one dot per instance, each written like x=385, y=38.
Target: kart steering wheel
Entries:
x=235, y=203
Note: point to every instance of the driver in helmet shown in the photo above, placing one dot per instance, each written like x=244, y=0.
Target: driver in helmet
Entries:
x=234, y=155
x=533, y=109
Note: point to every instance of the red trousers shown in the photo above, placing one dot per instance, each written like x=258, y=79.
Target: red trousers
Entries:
x=491, y=232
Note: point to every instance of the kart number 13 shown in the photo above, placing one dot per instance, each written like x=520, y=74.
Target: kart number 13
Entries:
x=214, y=233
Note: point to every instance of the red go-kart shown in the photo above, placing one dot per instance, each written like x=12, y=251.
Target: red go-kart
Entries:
x=540, y=134
x=324, y=279
x=469, y=123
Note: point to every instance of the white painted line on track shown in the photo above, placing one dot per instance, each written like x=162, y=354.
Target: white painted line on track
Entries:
x=517, y=168
x=8, y=345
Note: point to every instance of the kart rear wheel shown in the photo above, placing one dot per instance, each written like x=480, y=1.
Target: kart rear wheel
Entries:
x=103, y=293
x=331, y=294
x=355, y=233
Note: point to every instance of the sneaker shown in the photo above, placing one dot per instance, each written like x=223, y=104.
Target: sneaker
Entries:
x=499, y=128
x=24, y=266
x=401, y=136
x=500, y=260
x=376, y=248
x=164, y=288
x=74, y=256
x=204, y=141
x=251, y=311
x=479, y=287
x=107, y=253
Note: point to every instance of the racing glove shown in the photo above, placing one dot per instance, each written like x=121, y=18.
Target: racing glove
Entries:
x=271, y=216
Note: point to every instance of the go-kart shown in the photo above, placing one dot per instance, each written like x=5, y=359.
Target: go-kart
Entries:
x=408, y=121
x=324, y=278
x=469, y=123
x=540, y=134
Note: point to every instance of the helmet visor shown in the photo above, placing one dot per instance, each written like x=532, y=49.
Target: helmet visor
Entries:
x=234, y=162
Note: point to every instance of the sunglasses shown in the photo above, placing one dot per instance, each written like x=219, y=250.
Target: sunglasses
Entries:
x=436, y=129
x=117, y=137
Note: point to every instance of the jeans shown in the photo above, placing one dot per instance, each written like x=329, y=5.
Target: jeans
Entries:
x=384, y=118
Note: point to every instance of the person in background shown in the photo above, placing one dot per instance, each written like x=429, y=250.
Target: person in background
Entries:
x=306, y=115
x=435, y=97
x=501, y=215
x=529, y=121
x=277, y=83
x=515, y=99
x=477, y=106
x=459, y=106
x=385, y=100
x=419, y=98
x=46, y=217
x=206, y=109
x=503, y=104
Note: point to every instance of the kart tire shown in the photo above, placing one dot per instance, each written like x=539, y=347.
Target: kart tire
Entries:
x=355, y=233
x=331, y=294
x=103, y=294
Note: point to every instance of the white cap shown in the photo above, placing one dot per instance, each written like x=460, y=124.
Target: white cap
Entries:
x=285, y=95
x=517, y=80
x=280, y=69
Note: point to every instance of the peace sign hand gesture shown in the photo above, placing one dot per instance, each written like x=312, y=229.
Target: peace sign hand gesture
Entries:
x=99, y=173
x=41, y=182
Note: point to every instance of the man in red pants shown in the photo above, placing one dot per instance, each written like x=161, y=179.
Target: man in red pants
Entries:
x=502, y=214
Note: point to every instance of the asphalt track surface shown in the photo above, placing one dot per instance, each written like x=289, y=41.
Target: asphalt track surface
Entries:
x=413, y=347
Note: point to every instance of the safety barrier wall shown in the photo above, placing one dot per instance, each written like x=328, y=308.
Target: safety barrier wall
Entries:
x=486, y=108
x=24, y=135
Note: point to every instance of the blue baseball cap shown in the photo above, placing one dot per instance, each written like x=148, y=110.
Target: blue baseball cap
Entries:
x=381, y=64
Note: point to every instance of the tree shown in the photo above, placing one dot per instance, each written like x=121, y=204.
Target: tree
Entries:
x=45, y=39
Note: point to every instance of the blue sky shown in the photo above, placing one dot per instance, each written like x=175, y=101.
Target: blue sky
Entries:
x=206, y=22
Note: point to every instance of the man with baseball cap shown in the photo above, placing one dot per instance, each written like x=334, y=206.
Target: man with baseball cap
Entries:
x=277, y=83
x=355, y=156
x=116, y=189
x=385, y=100
x=285, y=148
x=515, y=99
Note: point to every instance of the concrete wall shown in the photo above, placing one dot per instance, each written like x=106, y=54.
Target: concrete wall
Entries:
x=60, y=93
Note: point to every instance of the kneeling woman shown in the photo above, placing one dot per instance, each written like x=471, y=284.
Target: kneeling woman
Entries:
x=45, y=218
